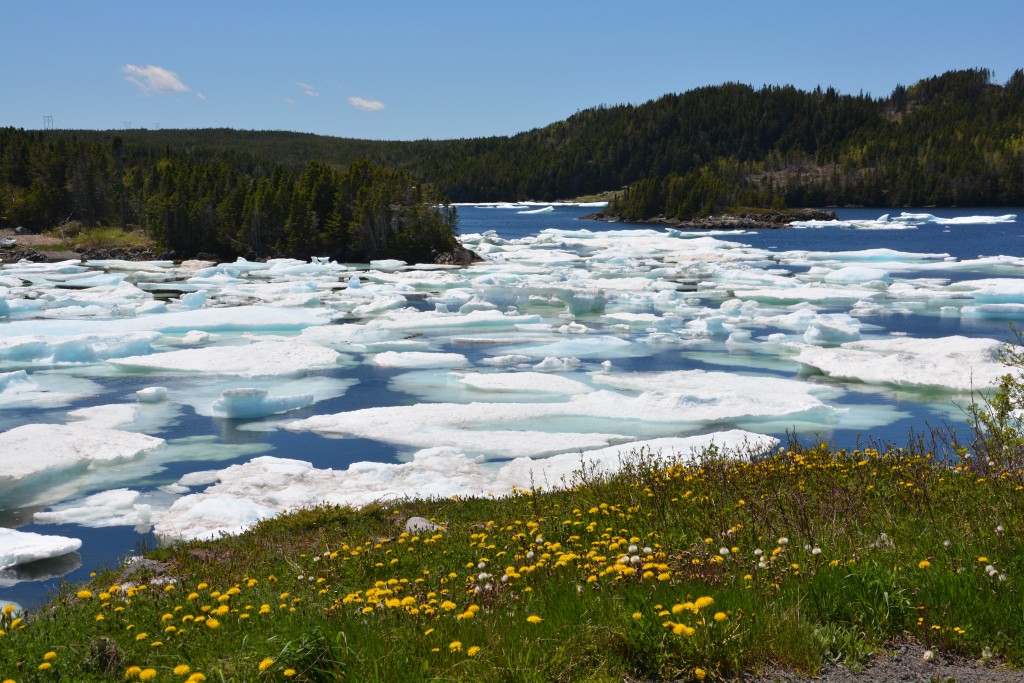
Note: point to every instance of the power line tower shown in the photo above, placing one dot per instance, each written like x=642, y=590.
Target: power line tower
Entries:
x=127, y=125
x=48, y=122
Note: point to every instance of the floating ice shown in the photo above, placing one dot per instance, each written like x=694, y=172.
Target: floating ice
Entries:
x=524, y=382
x=39, y=462
x=152, y=394
x=258, y=359
x=266, y=486
x=116, y=507
x=19, y=389
x=419, y=359
x=23, y=547
x=953, y=363
x=545, y=209
x=87, y=348
x=249, y=402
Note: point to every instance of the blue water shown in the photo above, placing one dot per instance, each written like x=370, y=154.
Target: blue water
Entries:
x=104, y=547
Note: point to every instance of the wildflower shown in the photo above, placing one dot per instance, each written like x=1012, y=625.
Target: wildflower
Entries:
x=982, y=559
x=683, y=630
x=195, y=678
x=142, y=636
x=132, y=672
x=264, y=608
x=83, y=594
x=288, y=673
x=816, y=551
x=720, y=616
x=182, y=669
x=699, y=673
x=472, y=652
x=212, y=623
x=723, y=551
x=637, y=616
x=924, y=564
x=266, y=664
x=455, y=646
x=147, y=674
x=49, y=656
x=534, y=619
x=44, y=666
x=783, y=541
x=703, y=602
x=946, y=544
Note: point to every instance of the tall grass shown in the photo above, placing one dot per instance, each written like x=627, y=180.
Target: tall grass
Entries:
x=672, y=569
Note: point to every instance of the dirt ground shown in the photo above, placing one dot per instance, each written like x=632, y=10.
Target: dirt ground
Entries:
x=906, y=662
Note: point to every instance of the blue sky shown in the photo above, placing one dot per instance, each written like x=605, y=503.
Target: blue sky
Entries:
x=384, y=69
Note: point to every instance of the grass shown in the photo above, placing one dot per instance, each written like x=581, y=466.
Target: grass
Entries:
x=669, y=570
x=75, y=237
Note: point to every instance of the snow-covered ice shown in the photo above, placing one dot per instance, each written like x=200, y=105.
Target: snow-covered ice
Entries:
x=23, y=547
x=258, y=359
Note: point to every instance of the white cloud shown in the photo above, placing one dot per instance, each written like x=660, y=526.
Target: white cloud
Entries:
x=200, y=95
x=154, y=80
x=288, y=100
x=366, y=105
x=308, y=89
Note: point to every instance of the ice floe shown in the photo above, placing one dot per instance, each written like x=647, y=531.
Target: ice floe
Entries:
x=264, y=487
x=953, y=363
x=24, y=547
x=258, y=359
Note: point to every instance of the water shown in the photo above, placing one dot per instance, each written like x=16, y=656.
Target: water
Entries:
x=884, y=413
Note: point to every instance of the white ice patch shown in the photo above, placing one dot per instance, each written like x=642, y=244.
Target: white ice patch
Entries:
x=259, y=359
x=39, y=350
x=419, y=359
x=116, y=507
x=264, y=487
x=23, y=547
x=248, y=402
x=952, y=363
x=524, y=382
x=41, y=462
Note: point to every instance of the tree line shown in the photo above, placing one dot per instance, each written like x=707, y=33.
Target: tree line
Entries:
x=209, y=203
x=950, y=140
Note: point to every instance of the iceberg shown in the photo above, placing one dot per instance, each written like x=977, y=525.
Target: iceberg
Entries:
x=419, y=359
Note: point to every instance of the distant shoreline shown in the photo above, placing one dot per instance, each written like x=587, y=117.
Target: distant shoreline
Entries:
x=772, y=220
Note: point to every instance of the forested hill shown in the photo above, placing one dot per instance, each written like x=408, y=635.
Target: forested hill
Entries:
x=951, y=140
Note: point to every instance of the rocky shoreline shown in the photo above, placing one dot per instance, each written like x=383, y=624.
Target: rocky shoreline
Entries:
x=771, y=220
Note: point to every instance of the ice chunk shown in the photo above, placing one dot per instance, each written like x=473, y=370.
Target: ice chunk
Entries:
x=249, y=402
x=508, y=359
x=259, y=359
x=553, y=364
x=387, y=264
x=857, y=274
x=604, y=346
x=419, y=359
x=524, y=382
x=19, y=389
x=266, y=486
x=116, y=507
x=106, y=417
x=23, y=547
x=545, y=209
x=152, y=395
x=87, y=348
x=39, y=462
x=953, y=363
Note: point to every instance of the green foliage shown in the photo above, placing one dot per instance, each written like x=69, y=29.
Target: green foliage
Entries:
x=191, y=203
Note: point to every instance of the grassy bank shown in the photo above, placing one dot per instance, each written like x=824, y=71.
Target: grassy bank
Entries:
x=669, y=570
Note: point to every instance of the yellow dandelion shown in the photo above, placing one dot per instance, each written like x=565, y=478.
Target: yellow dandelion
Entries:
x=683, y=630
x=699, y=673
x=534, y=619
x=44, y=666
x=720, y=616
x=196, y=678
x=455, y=646
x=924, y=564
x=142, y=636
x=705, y=601
x=637, y=616
x=182, y=669
x=288, y=673
x=49, y=655
x=266, y=664
x=132, y=672
x=147, y=674
x=84, y=594
x=472, y=652
x=212, y=623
